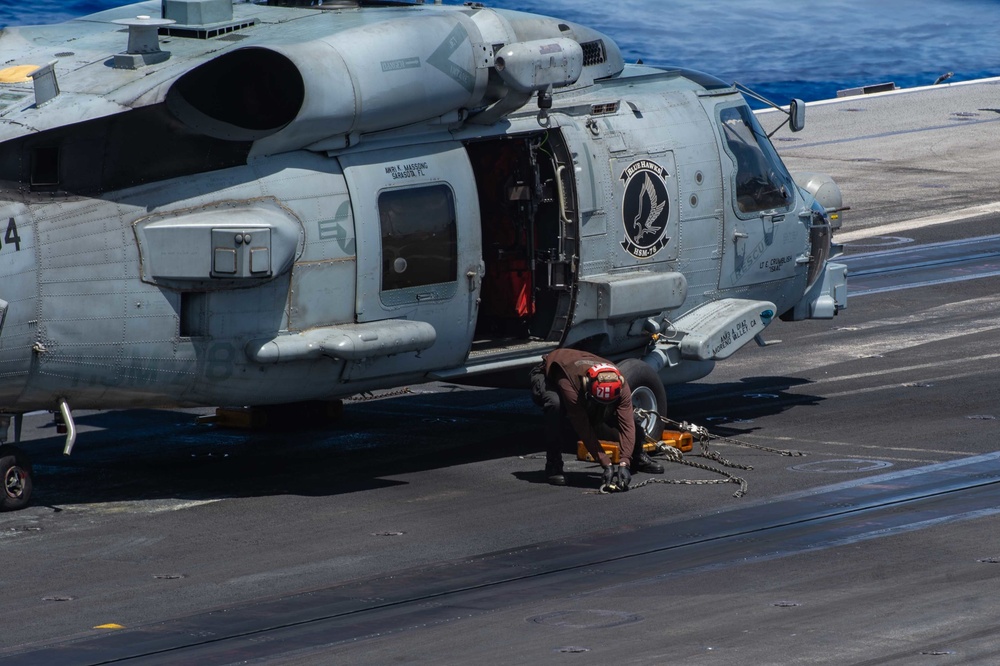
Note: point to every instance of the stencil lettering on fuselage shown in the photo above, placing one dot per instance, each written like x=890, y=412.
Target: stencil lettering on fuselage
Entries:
x=441, y=59
x=11, y=238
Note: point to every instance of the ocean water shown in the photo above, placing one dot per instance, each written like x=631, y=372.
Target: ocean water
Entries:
x=783, y=48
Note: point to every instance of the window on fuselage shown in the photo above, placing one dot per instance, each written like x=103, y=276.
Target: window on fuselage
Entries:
x=762, y=182
x=419, y=237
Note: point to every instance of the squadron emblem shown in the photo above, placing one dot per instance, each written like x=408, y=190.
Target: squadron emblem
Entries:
x=645, y=209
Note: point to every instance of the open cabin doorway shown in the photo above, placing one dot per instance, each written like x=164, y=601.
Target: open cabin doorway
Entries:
x=527, y=202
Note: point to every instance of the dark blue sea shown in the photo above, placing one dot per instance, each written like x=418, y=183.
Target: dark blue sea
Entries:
x=783, y=48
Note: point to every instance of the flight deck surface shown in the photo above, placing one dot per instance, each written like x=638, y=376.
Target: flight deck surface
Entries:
x=419, y=528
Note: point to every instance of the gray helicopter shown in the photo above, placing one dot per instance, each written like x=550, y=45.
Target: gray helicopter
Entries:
x=205, y=203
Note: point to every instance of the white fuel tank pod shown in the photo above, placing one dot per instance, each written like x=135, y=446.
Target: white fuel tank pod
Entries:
x=534, y=66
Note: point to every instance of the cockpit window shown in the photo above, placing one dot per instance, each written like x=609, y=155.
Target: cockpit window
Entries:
x=762, y=183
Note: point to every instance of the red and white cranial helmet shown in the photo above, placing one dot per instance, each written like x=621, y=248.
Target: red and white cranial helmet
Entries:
x=604, y=383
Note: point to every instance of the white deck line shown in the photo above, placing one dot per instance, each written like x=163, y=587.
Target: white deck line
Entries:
x=919, y=223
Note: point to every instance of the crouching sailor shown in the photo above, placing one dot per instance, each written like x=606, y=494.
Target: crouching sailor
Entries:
x=588, y=391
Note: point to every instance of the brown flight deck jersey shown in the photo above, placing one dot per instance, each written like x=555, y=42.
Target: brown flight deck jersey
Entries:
x=567, y=369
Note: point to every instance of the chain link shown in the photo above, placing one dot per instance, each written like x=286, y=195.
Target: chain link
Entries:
x=674, y=455
x=703, y=435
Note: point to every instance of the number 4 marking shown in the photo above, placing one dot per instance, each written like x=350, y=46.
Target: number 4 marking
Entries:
x=11, y=235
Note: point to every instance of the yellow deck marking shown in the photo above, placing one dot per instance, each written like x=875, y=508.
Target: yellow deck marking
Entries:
x=17, y=74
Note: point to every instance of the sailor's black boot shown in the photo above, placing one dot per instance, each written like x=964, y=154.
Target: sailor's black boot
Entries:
x=641, y=462
x=554, y=474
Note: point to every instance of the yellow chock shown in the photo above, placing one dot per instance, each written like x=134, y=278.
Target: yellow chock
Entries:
x=247, y=418
x=610, y=448
x=679, y=440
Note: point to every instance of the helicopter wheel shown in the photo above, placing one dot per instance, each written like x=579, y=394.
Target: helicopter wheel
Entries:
x=15, y=477
x=647, y=393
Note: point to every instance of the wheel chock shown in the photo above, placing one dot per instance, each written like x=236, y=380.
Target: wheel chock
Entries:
x=610, y=448
x=679, y=440
x=243, y=418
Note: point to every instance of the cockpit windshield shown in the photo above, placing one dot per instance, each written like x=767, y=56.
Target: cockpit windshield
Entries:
x=762, y=183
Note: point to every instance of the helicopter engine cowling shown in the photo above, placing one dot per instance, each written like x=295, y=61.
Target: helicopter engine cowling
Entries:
x=329, y=90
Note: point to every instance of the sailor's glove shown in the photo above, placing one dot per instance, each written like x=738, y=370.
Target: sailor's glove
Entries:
x=608, y=480
x=624, y=478
x=616, y=479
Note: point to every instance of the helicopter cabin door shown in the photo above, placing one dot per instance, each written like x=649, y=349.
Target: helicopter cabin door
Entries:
x=419, y=254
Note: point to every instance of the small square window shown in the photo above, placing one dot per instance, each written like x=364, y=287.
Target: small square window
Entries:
x=419, y=237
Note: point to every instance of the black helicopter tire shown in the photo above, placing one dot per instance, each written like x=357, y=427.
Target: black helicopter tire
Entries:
x=648, y=393
x=15, y=479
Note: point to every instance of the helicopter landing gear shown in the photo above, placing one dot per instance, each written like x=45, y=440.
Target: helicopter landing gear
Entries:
x=15, y=478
